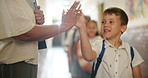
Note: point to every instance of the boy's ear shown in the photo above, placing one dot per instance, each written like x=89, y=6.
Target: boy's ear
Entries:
x=123, y=29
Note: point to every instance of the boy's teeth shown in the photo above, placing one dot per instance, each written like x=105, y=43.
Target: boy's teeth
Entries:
x=106, y=31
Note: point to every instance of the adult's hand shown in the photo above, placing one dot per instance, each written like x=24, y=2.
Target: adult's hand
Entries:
x=39, y=16
x=70, y=18
x=42, y=32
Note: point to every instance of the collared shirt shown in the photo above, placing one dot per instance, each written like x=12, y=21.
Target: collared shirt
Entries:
x=17, y=17
x=116, y=61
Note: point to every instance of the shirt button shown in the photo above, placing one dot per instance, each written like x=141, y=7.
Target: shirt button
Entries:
x=110, y=65
x=116, y=60
x=115, y=72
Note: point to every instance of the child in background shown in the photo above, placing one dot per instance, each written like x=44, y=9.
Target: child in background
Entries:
x=93, y=34
x=92, y=31
x=116, y=62
x=70, y=42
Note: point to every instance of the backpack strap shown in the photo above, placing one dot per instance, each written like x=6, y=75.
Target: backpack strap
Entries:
x=132, y=54
x=99, y=60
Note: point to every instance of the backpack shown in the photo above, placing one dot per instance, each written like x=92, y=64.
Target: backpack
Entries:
x=99, y=60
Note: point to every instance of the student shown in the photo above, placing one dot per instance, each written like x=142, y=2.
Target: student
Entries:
x=93, y=30
x=19, y=36
x=93, y=34
x=116, y=61
x=71, y=40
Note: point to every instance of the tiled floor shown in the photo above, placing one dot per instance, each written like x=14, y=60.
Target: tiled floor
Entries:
x=55, y=64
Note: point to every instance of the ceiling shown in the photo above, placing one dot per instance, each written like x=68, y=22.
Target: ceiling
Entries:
x=55, y=7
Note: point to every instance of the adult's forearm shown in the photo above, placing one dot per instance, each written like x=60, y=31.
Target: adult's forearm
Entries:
x=42, y=32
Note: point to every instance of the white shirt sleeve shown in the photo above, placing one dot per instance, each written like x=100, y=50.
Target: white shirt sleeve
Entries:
x=137, y=60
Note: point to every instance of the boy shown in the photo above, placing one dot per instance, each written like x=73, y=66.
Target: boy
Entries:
x=116, y=61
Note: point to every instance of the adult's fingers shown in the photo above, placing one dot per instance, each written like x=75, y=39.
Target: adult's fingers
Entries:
x=78, y=10
x=40, y=21
x=38, y=12
x=38, y=7
x=74, y=6
x=63, y=13
x=79, y=14
x=79, y=7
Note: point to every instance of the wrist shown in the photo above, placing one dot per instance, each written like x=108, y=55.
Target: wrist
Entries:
x=82, y=27
x=65, y=26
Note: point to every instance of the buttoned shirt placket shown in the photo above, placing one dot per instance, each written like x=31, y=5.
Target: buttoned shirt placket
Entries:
x=116, y=63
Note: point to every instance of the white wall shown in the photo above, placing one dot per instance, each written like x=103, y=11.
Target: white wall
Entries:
x=122, y=4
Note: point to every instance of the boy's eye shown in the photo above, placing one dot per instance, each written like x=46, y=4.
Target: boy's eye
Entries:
x=103, y=22
x=111, y=22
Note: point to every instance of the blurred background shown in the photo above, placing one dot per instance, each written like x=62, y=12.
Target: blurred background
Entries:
x=54, y=62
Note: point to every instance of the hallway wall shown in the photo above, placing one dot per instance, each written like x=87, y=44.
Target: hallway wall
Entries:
x=136, y=35
x=138, y=38
x=137, y=32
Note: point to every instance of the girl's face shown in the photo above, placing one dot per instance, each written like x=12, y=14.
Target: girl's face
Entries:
x=91, y=29
x=111, y=26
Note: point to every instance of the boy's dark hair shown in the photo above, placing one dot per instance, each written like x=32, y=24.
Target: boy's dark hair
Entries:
x=118, y=12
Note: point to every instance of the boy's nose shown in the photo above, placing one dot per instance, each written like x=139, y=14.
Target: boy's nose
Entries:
x=106, y=25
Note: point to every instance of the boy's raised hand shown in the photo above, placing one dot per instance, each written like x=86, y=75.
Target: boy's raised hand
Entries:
x=81, y=23
x=70, y=18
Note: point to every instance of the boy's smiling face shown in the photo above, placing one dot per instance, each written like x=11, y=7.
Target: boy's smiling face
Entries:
x=111, y=26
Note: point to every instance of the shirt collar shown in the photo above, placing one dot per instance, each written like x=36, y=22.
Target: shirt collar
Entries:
x=107, y=44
